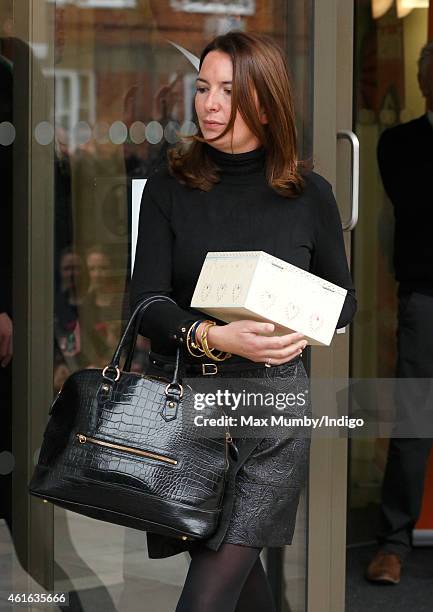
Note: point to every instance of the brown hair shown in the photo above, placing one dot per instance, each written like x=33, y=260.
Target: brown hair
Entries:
x=258, y=64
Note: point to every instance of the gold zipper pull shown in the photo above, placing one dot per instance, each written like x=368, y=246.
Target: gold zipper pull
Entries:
x=82, y=439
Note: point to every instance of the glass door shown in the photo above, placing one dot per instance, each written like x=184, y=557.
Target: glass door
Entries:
x=124, y=79
x=108, y=84
x=100, y=88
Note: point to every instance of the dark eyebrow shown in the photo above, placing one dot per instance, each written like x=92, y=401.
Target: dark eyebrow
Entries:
x=207, y=82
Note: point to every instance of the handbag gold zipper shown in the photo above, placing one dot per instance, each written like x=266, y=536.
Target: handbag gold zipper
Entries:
x=135, y=451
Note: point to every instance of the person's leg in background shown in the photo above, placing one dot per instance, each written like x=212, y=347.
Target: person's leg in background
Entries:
x=403, y=483
x=402, y=493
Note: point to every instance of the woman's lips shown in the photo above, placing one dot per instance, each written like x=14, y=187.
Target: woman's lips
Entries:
x=212, y=125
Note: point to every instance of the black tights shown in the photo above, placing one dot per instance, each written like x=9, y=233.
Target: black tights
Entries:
x=231, y=579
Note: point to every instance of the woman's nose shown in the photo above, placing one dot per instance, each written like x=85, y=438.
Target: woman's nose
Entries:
x=211, y=102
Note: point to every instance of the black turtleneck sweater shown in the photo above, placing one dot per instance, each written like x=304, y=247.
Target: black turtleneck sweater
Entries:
x=179, y=225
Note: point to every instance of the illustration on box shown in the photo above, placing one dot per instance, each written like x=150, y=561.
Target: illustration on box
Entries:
x=236, y=285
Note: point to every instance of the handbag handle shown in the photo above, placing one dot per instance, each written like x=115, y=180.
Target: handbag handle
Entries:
x=173, y=391
x=134, y=326
x=130, y=354
x=142, y=306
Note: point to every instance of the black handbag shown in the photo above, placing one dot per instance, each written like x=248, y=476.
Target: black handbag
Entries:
x=115, y=449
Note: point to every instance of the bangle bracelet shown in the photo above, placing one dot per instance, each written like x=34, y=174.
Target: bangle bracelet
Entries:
x=203, y=338
x=190, y=347
x=208, y=351
x=193, y=342
x=194, y=328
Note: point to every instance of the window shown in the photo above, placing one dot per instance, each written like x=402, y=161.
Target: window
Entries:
x=231, y=7
x=99, y=3
x=74, y=101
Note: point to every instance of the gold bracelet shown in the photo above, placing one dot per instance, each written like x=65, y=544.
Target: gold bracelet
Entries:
x=190, y=346
x=208, y=351
x=203, y=339
x=197, y=344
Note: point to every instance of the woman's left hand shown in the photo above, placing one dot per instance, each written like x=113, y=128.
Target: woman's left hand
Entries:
x=252, y=340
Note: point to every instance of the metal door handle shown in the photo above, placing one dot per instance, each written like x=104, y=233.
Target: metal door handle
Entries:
x=354, y=208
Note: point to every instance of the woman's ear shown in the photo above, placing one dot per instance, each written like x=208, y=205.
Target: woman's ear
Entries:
x=263, y=116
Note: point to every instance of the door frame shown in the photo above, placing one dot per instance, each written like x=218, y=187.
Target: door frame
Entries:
x=327, y=491
x=32, y=365
x=33, y=264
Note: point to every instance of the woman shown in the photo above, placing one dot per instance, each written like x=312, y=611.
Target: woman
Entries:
x=68, y=298
x=100, y=310
x=239, y=186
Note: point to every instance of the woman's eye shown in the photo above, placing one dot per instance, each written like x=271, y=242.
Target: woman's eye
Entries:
x=228, y=91
x=200, y=89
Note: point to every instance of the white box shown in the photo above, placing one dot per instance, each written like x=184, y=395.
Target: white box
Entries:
x=254, y=285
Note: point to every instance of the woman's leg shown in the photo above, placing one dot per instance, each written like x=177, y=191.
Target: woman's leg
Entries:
x=256, y=594
x=215, y=578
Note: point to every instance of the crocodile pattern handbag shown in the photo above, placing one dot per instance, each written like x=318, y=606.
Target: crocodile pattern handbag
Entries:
x=115, y=449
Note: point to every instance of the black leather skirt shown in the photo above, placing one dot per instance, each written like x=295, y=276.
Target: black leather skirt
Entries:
x=269, y=482
x=262, y=495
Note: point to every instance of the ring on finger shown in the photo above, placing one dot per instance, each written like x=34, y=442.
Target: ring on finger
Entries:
x=268, y=363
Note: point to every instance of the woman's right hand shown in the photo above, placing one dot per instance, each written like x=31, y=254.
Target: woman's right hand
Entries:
x=251, y=339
